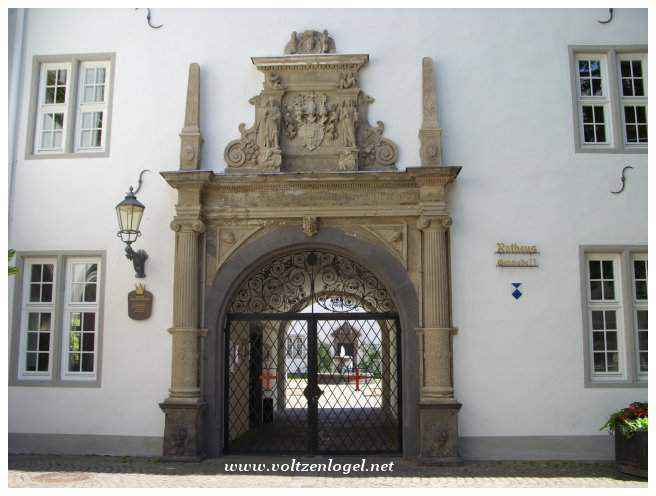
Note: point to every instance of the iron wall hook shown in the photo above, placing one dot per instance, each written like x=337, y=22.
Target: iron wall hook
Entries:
x=623, y=179
x=140, y=181
x=149, y=21
x=610, y=17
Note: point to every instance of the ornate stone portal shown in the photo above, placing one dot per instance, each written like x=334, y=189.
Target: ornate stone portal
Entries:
x=312, y=165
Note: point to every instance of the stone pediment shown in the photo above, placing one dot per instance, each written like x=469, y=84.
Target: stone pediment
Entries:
x=311, y=115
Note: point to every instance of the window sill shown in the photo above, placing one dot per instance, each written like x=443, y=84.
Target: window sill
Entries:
x=615, y=384
x=50, y=383
x=37, y=156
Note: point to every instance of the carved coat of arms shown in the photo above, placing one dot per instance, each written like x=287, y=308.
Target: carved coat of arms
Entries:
x=310, y=118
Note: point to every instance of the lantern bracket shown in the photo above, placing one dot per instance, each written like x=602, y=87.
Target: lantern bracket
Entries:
x=138, y=258
x=140, y=181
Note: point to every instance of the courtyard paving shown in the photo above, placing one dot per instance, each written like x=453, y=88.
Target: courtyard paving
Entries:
x=107, y=471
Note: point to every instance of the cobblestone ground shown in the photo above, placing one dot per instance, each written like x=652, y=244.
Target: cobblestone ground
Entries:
x=106, y=471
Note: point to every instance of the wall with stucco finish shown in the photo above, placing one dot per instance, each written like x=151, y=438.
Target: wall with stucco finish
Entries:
x=505, y=106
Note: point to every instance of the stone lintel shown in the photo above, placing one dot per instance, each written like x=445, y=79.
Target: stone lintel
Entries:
x=328, y=61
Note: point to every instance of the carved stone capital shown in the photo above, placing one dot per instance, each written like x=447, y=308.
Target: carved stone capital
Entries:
x=440, y=222
x=195, y=225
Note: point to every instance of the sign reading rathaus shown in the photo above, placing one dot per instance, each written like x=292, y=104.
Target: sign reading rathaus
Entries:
x=312, y=212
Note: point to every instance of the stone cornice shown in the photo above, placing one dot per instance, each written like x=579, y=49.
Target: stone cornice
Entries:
x=329, y=62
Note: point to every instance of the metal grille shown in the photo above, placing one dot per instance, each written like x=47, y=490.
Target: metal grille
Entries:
x=318, y=383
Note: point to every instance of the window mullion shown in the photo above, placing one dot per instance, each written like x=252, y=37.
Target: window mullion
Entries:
x=58, y=317
x=71, y=107
x=615, y=118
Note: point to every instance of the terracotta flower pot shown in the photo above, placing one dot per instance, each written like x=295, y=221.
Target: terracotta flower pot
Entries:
x=631, y=453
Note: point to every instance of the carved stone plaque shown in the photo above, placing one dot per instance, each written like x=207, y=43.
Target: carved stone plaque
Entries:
x=140, y=304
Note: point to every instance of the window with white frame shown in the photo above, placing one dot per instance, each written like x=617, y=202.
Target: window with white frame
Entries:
x=616, y=316
x=610, y=92
x=37, y=318
x=633, y=97
x=59, y=329
x=73, y=103
x=80, y=318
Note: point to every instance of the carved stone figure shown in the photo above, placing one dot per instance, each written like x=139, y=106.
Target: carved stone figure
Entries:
x=310, y=42
x=292, y=44
x=348, y=117
x=310, y=226
x=347, y=80
x=274, y=80
x=269, y=126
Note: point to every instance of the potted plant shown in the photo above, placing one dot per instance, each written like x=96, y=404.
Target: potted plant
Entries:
x=629, y=425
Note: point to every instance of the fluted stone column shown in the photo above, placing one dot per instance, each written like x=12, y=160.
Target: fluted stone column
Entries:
x=438, y=408
x=183, y=408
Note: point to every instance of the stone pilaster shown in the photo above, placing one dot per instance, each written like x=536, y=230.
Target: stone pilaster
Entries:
x=430, y=134
x=438, y=408
x=183, y=408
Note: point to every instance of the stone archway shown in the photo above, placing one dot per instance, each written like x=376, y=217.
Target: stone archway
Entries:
x=283, y=240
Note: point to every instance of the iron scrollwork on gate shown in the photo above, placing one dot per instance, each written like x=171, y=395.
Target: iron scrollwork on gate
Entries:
x=309, y=277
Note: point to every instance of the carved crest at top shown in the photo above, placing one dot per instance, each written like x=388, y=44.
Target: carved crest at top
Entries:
x=311, y=115
x=310, y=42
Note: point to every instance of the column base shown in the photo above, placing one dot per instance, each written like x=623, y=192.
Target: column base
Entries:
x=183, y=441
x=438, y=433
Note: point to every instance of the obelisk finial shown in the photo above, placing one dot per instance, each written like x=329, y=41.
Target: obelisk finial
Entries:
x=190, y=137
x=430, y=134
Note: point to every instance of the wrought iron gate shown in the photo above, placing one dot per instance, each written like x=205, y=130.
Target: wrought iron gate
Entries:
x=312, y=360
x=317, y=383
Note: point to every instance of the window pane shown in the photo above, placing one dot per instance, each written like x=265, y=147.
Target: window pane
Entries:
x=88, y=342
x=642, y=341
x=607, y=266
x=47, y=272
x=89, y=76
x=595, y=290
x=588, y=133
x=61, y=76
x=631, y=134
x=79, y=272
x=46, y=293
x=595, y=68
x=44, y=341
x=89, y=93
x=596, y=87
x=641, y=115
x=30, y=362
x=598, y=114
x=586, y=90
x=35, y=292
x=627, y=87
x=32, y=340
x=601, y=133
x=629, y=114
x=625, y=67
x=611, y=322
x=44, y=358
x=597, y=320
x=100, y=75
x=76, y=322
x=50, y=95
x=609, y=290
x=599, y=362
x=33, y=321
x=86, y=139
x=57, y=139
x=89, y=321
x=35, y=273
x=640, y=269
x=59, y=121
x=51, y=77
x=97, y=120
x=46, y=139
x=90, y=293
x=642, y=134
x=74, y=362
x=643, y=362
x=639, y=87
x=96, y=138
x=642, y=319
x=46, y=322
x=637, y=68
x=641, y=290
x=587, y=113
x=611, y=340
x=100, y=94
x=598, y=341
x=87, y=362
x=74, y=339
x=595, y=269
x=613, y=361
x=77, y=294
x=61, y=94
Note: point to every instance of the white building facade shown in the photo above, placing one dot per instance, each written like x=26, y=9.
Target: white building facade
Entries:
x=542, y=109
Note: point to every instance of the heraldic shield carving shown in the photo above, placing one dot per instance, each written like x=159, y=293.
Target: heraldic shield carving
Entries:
x=311, y=114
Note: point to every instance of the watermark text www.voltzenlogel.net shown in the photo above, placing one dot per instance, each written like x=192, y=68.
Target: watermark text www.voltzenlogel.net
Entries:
x=296, y=466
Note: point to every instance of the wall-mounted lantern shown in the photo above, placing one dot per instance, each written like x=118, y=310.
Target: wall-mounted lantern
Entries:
x=129, y=213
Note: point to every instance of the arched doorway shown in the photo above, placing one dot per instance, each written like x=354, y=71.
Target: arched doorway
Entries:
x=312, y=359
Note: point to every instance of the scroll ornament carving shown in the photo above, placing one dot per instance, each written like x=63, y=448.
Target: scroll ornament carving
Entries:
x=376, y=149
x=194, y=225
x=310, y=42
